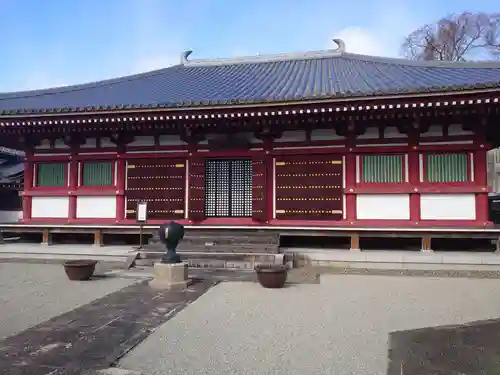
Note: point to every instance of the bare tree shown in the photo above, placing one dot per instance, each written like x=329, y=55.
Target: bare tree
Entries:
x=492, y=37
x=457, y=37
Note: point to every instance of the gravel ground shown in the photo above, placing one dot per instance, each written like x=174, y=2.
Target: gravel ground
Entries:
x=33, y=293
x=340, y=326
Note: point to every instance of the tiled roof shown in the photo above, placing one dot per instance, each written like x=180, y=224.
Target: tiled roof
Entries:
x=262, y=79
x=11, y=165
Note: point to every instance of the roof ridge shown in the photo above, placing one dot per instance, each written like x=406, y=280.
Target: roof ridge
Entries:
x=309, y=55
x=424, y=63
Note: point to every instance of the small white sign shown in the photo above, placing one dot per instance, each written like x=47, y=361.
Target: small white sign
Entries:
x=142, y=212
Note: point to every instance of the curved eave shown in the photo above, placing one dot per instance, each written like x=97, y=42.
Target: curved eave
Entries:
x=215, y=104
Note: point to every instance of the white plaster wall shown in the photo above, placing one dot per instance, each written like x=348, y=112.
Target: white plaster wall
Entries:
x=49, y=207
x=370, y=133
x=292, y=136
x=383, y=206
x=448, y=207
x=170, y=140
x=90, y=143
x=59, y=143
x=251, y=137
x=44, y=144
x=247, y=135
x=10, y=216
x=106, y=142
x=143, y=141
x=456, y=129
x=393, y=132
x=325, y=135
x=96, y=207
x=434, y=131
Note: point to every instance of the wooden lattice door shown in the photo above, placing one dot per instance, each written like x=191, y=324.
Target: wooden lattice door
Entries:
x=228, y=188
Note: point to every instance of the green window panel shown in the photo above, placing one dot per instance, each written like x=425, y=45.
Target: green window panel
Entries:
x=97, y=174
x=382, y=169
x=447, y=167
x=51, y=174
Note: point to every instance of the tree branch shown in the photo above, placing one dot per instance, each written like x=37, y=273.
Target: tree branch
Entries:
x=455, y=38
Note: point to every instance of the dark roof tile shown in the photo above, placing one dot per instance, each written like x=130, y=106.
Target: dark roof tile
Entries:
x=321, y=75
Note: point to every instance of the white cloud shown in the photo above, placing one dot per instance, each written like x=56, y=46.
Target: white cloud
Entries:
x=383, y=36
x=362, y=41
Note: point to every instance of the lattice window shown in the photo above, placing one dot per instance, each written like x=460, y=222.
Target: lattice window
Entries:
x=446, y=167
x=381, y=169
x=97, y=174
x=51, y=174
x=228, y=188
x=241, y=188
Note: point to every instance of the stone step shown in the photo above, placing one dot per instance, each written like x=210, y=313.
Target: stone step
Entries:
x=229, y=248
x=200, y=240
x=212, y=241
x=231, y=239
x=215, y=260
x=249, y=237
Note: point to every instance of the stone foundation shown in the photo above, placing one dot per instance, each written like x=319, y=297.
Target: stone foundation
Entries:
x=170, y=275
x=216, y=261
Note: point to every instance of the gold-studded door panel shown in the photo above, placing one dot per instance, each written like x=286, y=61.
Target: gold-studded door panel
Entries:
x=309, y=187
x=161, y=183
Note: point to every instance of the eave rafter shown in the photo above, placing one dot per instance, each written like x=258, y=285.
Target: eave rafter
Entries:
x=176, y=119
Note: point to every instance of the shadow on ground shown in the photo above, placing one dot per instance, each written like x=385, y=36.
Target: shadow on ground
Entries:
x=470, y=349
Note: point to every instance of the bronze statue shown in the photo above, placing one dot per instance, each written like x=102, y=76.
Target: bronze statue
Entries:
x=171, y=234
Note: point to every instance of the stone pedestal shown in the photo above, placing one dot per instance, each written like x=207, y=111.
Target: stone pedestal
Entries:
x=170, y=275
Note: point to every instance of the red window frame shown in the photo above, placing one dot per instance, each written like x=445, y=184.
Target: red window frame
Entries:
x=35, y=175
x=81, y=165
x=360, y=162
x=470, y=157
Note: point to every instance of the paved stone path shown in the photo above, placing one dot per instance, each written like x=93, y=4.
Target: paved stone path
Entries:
x=340, y=326
x=75, y=328
x=32, y=293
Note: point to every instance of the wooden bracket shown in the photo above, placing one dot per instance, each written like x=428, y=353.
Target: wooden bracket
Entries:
x=192, y=137
x=74, y=140
x=121, y=139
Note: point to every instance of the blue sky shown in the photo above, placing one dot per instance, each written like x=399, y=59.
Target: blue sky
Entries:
x=54, y=42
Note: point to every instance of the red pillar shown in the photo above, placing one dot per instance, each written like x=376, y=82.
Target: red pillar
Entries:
x=350, y=181
x=28, y=184
x=480, y=179
x=414, y=178
x=270, y=176
x=120, y=188
x=72, y=185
